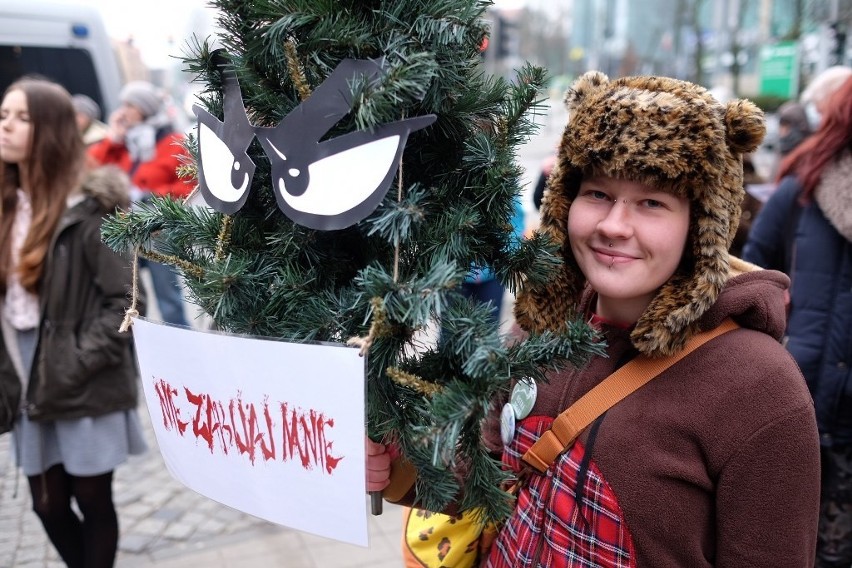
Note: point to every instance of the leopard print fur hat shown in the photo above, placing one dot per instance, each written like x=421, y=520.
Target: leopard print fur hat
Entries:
x=662, y=132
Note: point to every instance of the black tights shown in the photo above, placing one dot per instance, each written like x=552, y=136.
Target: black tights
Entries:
x=87, y=543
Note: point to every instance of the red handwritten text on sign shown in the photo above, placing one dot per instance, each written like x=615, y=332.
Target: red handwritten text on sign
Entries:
x=248, y=429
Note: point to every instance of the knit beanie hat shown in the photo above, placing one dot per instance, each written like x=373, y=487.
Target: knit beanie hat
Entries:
x=669, y=134
x=825, y=83
x=142, y=95
x=86, y=106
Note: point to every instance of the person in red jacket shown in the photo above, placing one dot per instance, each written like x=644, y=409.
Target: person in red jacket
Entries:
x=142, y=141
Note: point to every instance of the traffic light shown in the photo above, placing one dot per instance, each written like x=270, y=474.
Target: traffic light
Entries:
x=508, y=37
x=838, y=48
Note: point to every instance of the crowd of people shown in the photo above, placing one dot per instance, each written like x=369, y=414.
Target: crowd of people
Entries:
x=737, y=454
x=141, y=140
x=805, y=231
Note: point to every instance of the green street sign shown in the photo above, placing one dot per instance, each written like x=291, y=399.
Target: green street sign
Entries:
x=779, y=69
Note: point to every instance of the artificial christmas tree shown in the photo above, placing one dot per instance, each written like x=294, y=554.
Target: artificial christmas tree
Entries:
x=387, y=274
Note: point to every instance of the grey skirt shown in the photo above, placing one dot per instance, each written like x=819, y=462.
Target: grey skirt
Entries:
x=84, y=446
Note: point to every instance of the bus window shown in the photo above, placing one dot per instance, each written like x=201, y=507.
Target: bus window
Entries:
x=71, y=67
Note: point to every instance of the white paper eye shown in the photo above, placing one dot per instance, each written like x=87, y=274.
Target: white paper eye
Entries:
x=343, y=181
x=338, y=182
x=225, y=170
x=226, y=179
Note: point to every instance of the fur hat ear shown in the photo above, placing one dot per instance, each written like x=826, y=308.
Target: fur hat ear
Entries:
x=665, y=133
x=585, y=84
x=744, y=126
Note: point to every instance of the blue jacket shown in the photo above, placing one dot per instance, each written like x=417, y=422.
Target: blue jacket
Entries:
x=806, y=243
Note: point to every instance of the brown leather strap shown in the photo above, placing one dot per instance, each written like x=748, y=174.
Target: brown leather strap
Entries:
x=568, y=425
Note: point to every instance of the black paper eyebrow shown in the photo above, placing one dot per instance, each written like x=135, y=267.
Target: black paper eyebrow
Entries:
x=236, y=132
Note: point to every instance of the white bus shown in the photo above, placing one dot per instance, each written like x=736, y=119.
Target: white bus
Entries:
x=62, y=41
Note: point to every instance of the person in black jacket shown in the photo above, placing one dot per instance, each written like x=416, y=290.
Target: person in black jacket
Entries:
x=541, y=182
x=805, y=230
x=67, y=375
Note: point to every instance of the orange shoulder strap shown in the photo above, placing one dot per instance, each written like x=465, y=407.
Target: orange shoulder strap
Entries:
x=568, y=425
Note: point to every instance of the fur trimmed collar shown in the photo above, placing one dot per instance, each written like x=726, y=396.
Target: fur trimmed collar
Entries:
x=109, y=185
x=834, y=194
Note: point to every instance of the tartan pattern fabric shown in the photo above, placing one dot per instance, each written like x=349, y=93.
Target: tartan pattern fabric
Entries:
x=547, y=528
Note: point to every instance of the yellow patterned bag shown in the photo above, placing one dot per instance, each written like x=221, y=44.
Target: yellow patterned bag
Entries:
x=435, y=540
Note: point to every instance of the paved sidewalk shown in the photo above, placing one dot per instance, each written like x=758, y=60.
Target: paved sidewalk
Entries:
x=164, y=524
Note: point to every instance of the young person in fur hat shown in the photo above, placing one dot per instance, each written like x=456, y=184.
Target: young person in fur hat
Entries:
x=715, y=461
x=805, y=230
x=67, y=376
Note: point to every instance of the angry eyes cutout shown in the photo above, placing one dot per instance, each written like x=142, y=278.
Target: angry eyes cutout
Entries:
x=324, y=185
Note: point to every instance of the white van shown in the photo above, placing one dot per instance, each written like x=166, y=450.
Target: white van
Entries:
x=62, y=41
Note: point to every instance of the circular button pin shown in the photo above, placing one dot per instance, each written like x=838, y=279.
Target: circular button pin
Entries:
x=523, y=398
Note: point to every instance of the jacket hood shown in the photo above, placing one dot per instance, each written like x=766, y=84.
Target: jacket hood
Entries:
x=666, y=133
x=109, y=185
x=754, y=297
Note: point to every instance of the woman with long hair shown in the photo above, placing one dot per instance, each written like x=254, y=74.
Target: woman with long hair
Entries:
x=805, y=230
x=67, y=376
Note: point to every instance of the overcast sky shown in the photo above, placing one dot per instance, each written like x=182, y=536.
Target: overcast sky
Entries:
x=159, y=28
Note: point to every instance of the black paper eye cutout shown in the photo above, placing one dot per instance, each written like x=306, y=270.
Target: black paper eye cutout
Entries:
x=224, y=169
x=325, y=185
x=296, y=138
x=336, y=183
x=331, y=189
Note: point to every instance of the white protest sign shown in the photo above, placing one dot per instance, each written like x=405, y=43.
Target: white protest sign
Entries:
x=273, y=429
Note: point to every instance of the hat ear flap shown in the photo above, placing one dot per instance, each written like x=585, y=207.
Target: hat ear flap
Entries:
x=549, y=305
x=744, y=126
